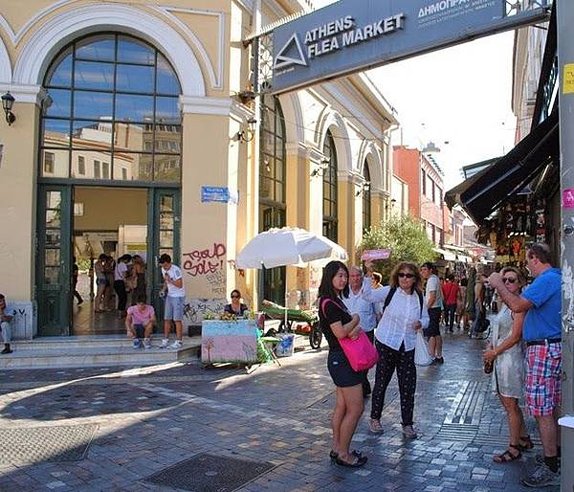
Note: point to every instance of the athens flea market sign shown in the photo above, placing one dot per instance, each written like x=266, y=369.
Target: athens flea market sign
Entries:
x=353, y=35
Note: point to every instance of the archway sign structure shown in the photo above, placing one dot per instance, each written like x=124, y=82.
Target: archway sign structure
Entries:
x=355, y=35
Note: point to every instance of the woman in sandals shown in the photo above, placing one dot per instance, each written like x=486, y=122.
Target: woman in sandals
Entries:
x=336, y=323
x=506, y=353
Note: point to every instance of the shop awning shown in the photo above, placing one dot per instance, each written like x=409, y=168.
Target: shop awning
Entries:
x=483, y=193
x=446, y=255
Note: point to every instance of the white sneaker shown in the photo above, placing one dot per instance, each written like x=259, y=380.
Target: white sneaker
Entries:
x=147, y=343
x=164, y=343
x=176, y=345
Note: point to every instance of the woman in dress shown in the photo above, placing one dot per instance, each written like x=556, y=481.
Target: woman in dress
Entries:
x=235, y=307
x=336, y=322
x=506, y=353
x=395, y=339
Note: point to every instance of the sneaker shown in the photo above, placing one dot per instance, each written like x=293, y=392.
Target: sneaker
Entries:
x=164, y=343
x=147, y=343
x=7, y=350
x=137, y=343
x=439, y=360
x=176, y=345
x=542, y=476
x=409, y=432
x=375, y=426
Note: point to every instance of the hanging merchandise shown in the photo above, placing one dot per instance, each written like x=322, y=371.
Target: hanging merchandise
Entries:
x=540, y=220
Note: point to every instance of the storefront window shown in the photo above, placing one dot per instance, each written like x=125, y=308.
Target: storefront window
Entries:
x=114, y=114
x=330, y=215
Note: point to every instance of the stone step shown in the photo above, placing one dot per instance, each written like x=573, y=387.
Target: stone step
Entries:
x=43, y=354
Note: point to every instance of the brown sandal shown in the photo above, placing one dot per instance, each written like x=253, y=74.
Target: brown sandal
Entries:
x=507, y=456
x=525, y=443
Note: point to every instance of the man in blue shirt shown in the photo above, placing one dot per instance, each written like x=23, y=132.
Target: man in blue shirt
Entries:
x=542, y=332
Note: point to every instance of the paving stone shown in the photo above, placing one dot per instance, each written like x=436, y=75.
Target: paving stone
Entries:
x=148, y=422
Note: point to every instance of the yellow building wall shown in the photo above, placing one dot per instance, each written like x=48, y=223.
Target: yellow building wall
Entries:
x=18, y=203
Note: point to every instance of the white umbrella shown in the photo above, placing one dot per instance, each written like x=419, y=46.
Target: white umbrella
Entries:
x=287, y=246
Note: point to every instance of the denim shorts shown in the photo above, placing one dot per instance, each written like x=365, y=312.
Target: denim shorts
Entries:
x=433, y=329
x=341, y=371
x=174, y=308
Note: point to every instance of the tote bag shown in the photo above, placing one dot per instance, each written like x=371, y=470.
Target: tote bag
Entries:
x=422, y=356
x=360, y=353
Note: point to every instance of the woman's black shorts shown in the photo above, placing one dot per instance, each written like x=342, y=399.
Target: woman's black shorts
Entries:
x=341, y=371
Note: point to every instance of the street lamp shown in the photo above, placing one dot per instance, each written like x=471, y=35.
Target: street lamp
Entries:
x=7, y=104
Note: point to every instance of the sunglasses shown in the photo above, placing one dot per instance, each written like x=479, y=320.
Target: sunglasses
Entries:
x=234, y=296
x=407, y=275
x=509, y=280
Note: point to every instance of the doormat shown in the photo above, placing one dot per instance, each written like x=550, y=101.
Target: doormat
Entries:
x=209, y=473
x=40, y=444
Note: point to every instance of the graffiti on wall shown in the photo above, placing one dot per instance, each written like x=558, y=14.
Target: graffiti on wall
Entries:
x=202, y=262
x=196, y=309
x=209, y=265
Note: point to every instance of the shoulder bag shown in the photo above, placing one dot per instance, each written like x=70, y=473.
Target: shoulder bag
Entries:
x=361, y=353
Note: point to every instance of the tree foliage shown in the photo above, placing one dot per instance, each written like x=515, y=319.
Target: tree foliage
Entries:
x=405, y=237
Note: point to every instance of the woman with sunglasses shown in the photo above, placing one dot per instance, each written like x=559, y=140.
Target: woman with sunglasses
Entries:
x=235, y=307
x=336, y=322
x=395, y=338
x=506, y=354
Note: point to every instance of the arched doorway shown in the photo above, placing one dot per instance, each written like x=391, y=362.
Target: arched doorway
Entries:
x=109, y=173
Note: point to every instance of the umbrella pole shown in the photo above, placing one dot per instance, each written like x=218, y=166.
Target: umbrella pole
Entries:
x=286, y=326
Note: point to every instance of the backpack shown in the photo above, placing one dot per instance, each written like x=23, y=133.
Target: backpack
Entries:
x=392, y=293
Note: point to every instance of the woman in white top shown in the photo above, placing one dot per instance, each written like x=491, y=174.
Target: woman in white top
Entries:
x=395, y=338
x=506, y=353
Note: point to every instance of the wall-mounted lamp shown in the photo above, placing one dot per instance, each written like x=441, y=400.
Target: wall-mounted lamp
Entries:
x=320, y=168
x=392, y=204
x=246, y=96
x=365, y=186
x=248, y=134
x=7, y=104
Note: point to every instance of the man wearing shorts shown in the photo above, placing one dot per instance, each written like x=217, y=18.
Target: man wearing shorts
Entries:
x=542, y=332
x=174, y=301
x=433, y=302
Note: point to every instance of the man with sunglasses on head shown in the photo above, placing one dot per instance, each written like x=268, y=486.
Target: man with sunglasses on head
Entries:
x=433, y=303
x=542, y=332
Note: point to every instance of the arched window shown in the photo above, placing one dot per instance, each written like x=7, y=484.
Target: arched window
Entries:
x=330, y=216
x=272, y=165
x=366, y=197
x=272, y=172
x=114, y=113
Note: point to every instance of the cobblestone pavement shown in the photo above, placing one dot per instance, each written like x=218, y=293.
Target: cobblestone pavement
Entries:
x=116, y=429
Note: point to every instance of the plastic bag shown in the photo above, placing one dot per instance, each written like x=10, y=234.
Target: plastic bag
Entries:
x=422, y=356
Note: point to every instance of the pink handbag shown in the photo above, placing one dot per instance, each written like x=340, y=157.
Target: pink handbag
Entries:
x=361, y=353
